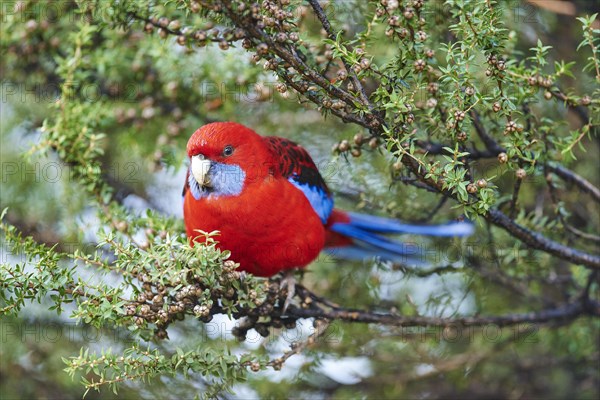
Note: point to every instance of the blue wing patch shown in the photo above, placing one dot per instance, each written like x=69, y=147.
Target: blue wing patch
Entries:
x=294, y=163
x=319, y=199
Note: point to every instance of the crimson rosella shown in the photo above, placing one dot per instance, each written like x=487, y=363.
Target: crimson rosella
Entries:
x=271, y=206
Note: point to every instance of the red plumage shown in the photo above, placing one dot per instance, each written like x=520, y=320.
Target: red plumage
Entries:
x=270, y=226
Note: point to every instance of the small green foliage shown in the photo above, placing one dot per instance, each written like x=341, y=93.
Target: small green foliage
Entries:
x=450, y=109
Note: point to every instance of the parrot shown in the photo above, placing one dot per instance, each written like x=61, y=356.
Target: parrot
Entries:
x=273, y=209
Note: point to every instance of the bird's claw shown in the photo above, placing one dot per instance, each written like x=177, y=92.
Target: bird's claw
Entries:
x=288, y=282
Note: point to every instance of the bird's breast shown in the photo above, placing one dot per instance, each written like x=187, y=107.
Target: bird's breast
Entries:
x=268, y=227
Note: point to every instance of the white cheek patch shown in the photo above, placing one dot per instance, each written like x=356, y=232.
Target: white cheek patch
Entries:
x=225, y=180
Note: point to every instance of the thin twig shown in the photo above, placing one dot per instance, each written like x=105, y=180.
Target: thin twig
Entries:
x=327, y=26
x=540, y=242
x=571, y=177
x=515, y=198
x=554, y=197
x=567, y=312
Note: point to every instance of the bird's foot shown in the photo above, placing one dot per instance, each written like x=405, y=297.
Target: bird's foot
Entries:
x=288, y=282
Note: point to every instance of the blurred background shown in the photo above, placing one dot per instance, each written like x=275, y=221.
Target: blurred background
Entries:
x=152, y=95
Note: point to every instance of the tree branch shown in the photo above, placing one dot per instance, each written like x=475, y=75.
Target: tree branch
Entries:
x=567, y=312
x=540, y=242
x=327, y=26
x=571, y=177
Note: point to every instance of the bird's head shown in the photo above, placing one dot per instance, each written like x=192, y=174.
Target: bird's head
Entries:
x=224, y=156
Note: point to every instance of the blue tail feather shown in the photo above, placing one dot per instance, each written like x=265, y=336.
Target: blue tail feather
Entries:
x=357, y=252
x=370, y=238
x=387, y=225
x=366, y=232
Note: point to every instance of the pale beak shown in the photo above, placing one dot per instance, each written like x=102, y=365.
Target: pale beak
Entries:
x=200, y=167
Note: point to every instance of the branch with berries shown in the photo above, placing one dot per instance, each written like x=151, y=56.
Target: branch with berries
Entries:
x=268, y=30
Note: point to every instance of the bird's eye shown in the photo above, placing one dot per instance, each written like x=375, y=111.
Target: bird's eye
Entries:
x=228, y=150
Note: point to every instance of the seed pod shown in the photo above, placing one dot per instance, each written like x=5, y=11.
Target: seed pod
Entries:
x=223, y=45
x=511, y=126
x=337, y=105
x=262, y=48
x=358, y=139
x=200, y=35
x=281, y=37
x=163, y=22
x=586, y=100
x=281, y=87
x=344, y=146
x=420, y=65
x=161, y=334
x=373, y=143
x=420, y=36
